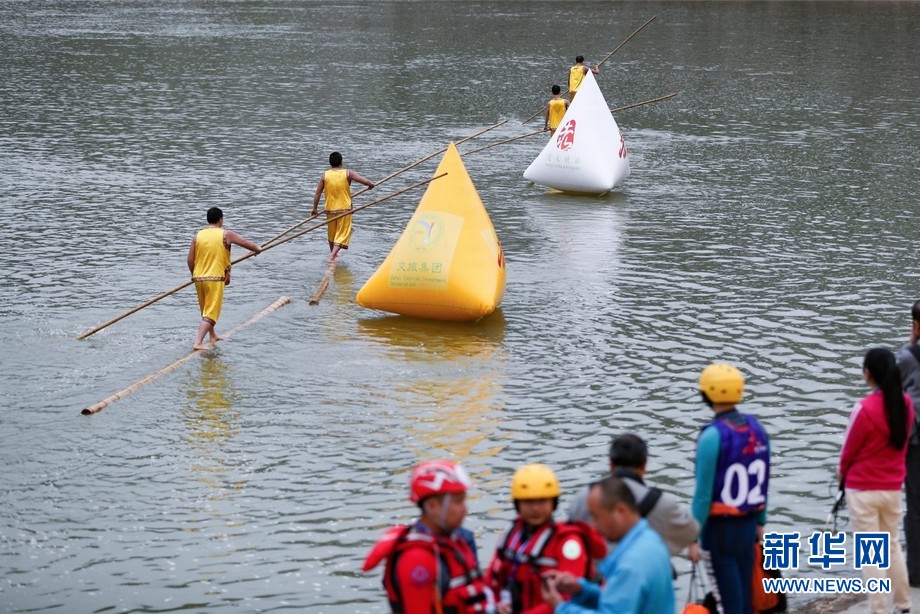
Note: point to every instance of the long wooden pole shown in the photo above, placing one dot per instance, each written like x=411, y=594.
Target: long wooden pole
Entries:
x=159, y=297
x=92, y=409
x=644, y=102
x=606, y=57
x=616, y=110
x=333, y=218
x=514, y=138
x=639, y=29
x=387, y=178
x=95, y=330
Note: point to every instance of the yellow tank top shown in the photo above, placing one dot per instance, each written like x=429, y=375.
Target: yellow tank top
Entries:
x=556, y=112
x=576, y=74
x=338, y=192
x=212, y=255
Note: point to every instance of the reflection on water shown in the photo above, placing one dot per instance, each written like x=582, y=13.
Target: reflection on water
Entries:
x=450, y=400
x=454, y=417
x=765, y=222
x=456, y=413
x=211, y=423
x=434, y=340
x=343, y=286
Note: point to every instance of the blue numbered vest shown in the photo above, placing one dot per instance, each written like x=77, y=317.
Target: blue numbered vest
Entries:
x=743, y=471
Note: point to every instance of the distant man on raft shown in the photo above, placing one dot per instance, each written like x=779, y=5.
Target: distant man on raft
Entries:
x=577, y=73
x=336, y=183
x=209, y=263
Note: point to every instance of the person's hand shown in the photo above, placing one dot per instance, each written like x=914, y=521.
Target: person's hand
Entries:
x=693, y=552
x=314, y=212
x=760, y=533
x=371, y=186
x=550, y=594
x=563, y=580
x=504, y=608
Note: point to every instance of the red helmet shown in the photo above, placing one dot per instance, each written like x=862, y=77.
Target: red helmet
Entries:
x=437, y=478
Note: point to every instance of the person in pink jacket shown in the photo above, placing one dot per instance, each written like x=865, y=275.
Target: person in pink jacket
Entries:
x=872, y=467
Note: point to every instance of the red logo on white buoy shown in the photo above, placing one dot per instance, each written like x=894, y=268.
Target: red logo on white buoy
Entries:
x=622, y=152
x=566, y=137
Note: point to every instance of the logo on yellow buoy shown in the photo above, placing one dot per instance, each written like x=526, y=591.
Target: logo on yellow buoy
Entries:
x=427, y=231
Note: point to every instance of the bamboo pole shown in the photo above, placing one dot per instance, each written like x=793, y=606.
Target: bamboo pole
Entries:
x=250, y=254
x=92, y=409
x=616, y=110
x=639, y=29
x=644, y=102
x=515, y=138
x=325, y=283
x=388, y=177
x=159, y=297
x=331, y=219
x=607, y=57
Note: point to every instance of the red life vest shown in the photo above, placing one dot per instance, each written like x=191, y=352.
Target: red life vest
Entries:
x=459, y=582
x=519, y=561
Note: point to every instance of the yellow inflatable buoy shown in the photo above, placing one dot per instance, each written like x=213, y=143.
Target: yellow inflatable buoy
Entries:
x=448, y=264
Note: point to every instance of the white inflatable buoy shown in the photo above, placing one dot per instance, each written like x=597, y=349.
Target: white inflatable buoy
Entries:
x=588, y=152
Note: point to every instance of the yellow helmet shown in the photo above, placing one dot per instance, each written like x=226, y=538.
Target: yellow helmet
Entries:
x=722, y=383
x=534, y=481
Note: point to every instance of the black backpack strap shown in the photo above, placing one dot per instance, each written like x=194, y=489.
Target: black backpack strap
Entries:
x=648, y=501
x=626, y=472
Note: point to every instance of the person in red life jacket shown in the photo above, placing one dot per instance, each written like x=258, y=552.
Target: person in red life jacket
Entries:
x=730, y=498
x=430, y=566
x=535, y=543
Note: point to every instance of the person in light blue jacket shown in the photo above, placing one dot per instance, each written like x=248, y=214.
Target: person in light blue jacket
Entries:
x=637, y=574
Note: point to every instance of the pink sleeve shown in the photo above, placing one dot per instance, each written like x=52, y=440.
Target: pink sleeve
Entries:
x=853, y=440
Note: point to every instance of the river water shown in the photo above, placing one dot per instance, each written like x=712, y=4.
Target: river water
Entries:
x=769, y=221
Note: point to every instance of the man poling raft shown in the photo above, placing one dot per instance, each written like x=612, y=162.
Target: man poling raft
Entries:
x=555, y=110
x=336, y=184
x=577, y=74
x=209, y=263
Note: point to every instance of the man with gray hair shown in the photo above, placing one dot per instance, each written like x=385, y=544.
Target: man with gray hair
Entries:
x=637, y=574
x=908, y=358
x=671, y=519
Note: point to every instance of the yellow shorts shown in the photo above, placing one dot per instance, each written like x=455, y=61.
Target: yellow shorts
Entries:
x=210, y=299
x=339, y=231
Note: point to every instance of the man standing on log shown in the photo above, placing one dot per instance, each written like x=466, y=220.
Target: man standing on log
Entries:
x=336, y=183
x=577, y=73
x=209, y=263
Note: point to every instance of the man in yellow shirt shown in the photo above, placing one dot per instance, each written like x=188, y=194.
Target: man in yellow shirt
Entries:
x=555, y=110
x=577, y=73
x=209, y=263
x=336, y=183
